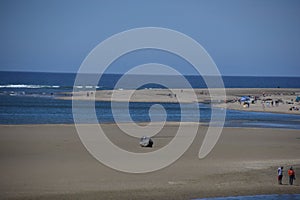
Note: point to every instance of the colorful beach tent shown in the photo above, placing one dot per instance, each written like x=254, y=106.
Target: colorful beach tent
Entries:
x=244, y=98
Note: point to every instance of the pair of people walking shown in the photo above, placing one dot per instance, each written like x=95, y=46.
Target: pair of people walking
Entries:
x=291, y=173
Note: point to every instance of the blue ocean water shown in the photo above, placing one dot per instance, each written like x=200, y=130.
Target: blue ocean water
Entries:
x=259, y=197
x=28, y=98
x=65, y=81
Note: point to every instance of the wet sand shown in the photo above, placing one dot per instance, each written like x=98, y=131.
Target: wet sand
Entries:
x=50, y=162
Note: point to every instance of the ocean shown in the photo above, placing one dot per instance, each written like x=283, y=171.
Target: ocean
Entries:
x=29, y=98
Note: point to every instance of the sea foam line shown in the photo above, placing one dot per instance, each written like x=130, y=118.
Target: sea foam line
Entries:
x=42, y=86
x=28, y=86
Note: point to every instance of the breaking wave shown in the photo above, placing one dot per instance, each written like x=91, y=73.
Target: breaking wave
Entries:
x=29, y=86
x=44, y=86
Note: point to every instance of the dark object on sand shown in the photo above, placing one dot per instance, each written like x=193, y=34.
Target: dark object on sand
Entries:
x=146, y=142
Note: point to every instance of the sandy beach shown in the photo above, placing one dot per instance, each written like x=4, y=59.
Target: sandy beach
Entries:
x=195, y=99
x=265, y=97
x=50, y=162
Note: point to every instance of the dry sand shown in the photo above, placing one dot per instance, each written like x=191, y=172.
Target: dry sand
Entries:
x=265, y=97
x=202, y=95
x=50, y=162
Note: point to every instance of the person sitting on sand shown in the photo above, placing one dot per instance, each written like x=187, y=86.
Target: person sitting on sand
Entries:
x=291, y=174
x=280, y=175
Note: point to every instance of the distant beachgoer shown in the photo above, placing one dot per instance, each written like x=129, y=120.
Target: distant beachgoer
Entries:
x=292, y=176
x=280, y=175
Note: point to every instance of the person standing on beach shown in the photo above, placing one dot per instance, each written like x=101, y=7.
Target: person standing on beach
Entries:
x=291, y=174
x=280, y=175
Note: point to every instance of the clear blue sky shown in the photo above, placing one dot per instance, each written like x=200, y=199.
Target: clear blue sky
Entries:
x=244, y=37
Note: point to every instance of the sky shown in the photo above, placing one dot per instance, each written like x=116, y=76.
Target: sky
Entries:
x=243, y=37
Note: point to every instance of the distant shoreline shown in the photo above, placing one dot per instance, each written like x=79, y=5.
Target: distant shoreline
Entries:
x=264, y=97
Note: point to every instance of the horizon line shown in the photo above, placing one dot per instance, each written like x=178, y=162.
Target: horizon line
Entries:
x=112, y=73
